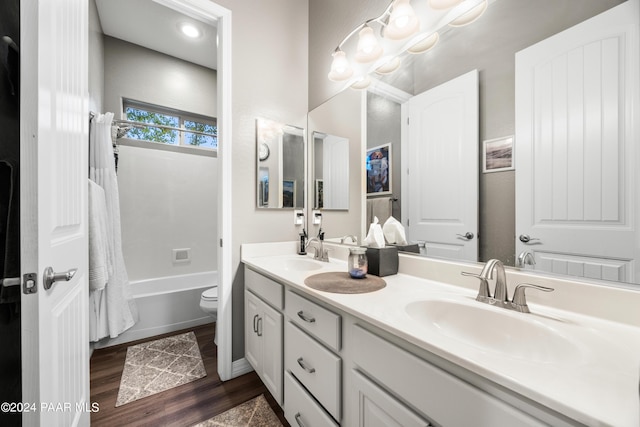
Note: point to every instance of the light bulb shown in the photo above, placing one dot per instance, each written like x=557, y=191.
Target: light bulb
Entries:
x=403, y=21
x=470, y=16
x=368, y=47
x=340, y=68
x=362, y=83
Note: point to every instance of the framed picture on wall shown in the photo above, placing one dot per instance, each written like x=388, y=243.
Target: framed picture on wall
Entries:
x=497, y=154
x=378, y=169
x=288, y=193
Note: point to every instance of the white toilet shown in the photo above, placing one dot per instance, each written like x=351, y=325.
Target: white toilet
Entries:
x=209, y=302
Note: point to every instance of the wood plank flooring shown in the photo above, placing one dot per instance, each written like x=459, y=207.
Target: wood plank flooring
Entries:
x=181, y=406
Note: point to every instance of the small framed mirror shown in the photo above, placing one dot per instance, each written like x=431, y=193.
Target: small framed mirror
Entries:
x=280, y=165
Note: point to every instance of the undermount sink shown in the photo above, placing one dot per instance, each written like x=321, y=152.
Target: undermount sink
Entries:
x=512, y=334
x=301, y=264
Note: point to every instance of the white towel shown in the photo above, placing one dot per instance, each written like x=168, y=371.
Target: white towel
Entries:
x=100, y=251
x=379, y=207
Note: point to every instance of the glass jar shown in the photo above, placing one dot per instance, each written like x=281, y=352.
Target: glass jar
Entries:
x=357, y=263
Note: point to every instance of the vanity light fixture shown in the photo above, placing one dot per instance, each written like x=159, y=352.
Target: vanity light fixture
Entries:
x=403, y=21
x=368, y=47
x=189, y=30
x=471, y=16
x=362, y=83
x=424, y=44
x=402, y=28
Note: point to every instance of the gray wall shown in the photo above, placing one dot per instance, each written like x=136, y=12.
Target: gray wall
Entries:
x=270, y=76
x=488, y=45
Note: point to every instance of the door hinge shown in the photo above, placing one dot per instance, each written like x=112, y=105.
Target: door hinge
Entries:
x=407, y=120
x=407, y=222
x=220, y=242
x=29, y=283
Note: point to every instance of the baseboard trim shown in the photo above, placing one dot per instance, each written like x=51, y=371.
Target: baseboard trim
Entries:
x=240, y=367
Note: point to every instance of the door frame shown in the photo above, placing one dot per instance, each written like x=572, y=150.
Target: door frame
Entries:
x=212, y=13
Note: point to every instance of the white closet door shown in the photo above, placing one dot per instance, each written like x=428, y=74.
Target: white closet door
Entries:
x=442, y=179
x=577, y=104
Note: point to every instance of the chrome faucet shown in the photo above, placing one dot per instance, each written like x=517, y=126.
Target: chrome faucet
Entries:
x=353, y=238
x=319, y=252
x=501, y=295
x=525, y=258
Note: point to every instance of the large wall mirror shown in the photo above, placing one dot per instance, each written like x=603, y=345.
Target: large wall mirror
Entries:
x=281, y=165
x=490, y=46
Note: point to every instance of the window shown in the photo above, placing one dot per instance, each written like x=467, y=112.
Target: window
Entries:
x=165, y=126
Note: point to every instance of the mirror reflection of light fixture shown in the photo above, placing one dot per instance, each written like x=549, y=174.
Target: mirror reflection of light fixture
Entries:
x=389, y=67
x=362, y=83
x=340, y=68
x=443, y=4
x=471, y=16
x=403, y=21
x=424, y=44
x=368, y=47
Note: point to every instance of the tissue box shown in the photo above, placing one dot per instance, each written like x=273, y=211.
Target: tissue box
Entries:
x=383, y=261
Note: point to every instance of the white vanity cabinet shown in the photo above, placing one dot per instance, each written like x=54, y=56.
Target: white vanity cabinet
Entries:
x=263, y=330
x=312, y=341
x=435, y=393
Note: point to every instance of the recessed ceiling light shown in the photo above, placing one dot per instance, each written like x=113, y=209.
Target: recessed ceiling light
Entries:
x=190, y=30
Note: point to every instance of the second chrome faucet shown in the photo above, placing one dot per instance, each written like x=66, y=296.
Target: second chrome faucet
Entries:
x=501, y=293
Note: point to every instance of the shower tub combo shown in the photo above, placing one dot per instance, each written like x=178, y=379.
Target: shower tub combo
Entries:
x=166, y=304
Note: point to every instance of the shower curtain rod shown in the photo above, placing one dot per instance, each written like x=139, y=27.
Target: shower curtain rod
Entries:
x=146, y=125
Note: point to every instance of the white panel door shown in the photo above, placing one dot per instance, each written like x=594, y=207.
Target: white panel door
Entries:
x=442, y=176
x=54, y=170
x=270, y=330
x=252, y=342
x=577, y=104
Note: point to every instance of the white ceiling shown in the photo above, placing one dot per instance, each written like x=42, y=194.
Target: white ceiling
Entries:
x=154, y=26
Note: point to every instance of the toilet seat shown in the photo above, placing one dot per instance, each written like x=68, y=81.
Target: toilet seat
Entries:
x=210, y=294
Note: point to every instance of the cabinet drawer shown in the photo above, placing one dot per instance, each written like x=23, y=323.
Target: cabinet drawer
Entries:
x=300, y=409
x=317, y=320
x=431, y=389
x=265, y=288
x=317, y=368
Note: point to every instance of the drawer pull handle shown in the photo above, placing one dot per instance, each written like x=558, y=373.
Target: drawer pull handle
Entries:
x=305, y=367
x=255, y=327
x=297, y=417
x=305, y=318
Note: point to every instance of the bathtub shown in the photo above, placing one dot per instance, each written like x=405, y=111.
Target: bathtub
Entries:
x=166, y=304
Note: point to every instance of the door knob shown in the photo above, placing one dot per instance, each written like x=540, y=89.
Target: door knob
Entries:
x=525, y=238
x=468, y=235
x=50, y=277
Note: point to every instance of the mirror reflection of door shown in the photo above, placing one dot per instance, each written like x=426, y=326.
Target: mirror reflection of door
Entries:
x=575, y=132
x=442, y=176
x=331, y=171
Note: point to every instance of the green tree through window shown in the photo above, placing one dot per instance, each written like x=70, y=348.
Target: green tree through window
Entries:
x=204, y=135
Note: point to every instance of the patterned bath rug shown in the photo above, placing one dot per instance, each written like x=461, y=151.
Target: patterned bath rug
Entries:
x=159, y=365
x=253, y=413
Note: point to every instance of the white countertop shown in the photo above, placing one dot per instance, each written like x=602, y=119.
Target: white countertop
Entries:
x=596, y=383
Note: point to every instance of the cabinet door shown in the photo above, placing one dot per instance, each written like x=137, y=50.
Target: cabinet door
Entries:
x=269, y=327
x=252, y=342
x=376, y=408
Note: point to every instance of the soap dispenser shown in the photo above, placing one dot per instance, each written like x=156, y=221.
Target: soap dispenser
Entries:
x=302, y=244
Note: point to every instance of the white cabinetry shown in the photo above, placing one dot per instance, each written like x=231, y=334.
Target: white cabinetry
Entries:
x=263, y=332
x=312, y=336
x=438, y=395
